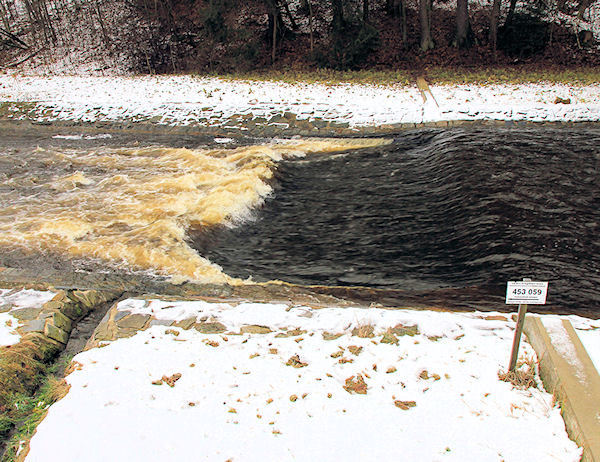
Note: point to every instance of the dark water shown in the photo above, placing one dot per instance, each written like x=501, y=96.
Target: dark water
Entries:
x=440, y=214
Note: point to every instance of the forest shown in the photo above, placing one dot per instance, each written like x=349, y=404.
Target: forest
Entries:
x=217, y=36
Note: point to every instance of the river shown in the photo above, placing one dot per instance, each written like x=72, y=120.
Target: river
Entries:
x=431, y=212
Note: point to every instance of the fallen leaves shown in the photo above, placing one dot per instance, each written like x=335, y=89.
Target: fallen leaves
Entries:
x=356, y=385
x=355, y=350
x=295, y=361
x=168, y=380
x=404, y=405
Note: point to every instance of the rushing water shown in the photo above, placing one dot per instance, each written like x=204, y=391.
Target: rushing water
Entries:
x=132, y=206
x=435, y=210
x=445, y=214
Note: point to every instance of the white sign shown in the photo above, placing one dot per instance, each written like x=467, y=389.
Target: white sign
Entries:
x=526, y=292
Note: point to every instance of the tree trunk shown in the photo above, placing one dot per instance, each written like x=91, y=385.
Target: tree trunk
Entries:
x=462, y=24
x=494, y=18
x=310, y=25
x=583, y=5
x=425, y=21
x=404, y=24
x=293, y=22
x=365, y=11
x=338, y=15
x=274, y=50
x=511, y=13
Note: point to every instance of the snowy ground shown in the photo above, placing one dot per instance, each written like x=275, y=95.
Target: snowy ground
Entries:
x=12, y=302
x=173, y=394
x=183, y=100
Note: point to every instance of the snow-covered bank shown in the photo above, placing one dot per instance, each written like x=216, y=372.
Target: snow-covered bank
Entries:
x=185, y=100
x=17, y=305
x=295, y=383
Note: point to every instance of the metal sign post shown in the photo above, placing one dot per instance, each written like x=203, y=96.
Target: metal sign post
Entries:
x=523, y=293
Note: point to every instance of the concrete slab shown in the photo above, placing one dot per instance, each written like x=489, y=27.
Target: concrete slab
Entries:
x=568, y=372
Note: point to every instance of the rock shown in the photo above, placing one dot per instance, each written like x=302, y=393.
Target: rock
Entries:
x=37, y=325
x=54, y=333
x=290, y=333
x=61, y=321
x=134, y=321
x=26, y=314
x=160, y=322
x=319, y=123
x=210, y=327
x=255, y=329
x=185, y=323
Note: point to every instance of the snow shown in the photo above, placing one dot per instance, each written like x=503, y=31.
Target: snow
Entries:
x=183, y=100
x=588, y=331
x=236, y=398
x=15, y=299
x=562, y=343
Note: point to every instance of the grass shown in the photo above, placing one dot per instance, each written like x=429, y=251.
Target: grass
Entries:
x=435, y=75
x=27, y=387
x=30, y=412
x=523, y=376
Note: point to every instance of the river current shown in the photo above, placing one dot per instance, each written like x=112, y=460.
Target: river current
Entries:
x=443, y=214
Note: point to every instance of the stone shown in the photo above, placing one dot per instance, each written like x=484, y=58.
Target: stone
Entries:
x=88, y=298
x=26, y=314
x=37, y=325
x=160, y=322
x=54, y=333
x=255, y=329
x=210, y=327
x=185, y=324
x=61, y=321
x=73, y=310
x=319, y=123
x=340, y=124
x=125, y=333
x=290, y=333
x=120, y=315
x=134, y=321
x=277, y=119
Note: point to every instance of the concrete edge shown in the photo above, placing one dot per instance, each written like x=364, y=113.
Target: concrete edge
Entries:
x=573, y=381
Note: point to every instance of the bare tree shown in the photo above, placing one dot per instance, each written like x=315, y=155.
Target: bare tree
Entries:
x=425, y=7
x=462, y=24
x=494, y=18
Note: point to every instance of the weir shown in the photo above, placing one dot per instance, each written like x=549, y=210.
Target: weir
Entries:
x=428, y=217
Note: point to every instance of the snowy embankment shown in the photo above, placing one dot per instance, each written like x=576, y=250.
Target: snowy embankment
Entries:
x=294, y=383
x=16, y=306
x=185, y=100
